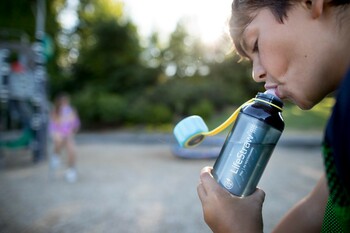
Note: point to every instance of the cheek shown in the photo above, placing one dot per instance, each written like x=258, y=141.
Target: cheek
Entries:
x=275, y=54
x=302, y=91
x=275, y=62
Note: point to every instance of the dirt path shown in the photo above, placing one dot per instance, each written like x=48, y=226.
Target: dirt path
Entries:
x=134, y=188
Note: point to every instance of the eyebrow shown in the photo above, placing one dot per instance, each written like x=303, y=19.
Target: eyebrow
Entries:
x=242, y=46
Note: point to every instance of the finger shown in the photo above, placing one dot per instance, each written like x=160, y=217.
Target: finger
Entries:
x=208, y=181
x=207, y=169
x=202, y=194
x=261, y=194
x=205, y=174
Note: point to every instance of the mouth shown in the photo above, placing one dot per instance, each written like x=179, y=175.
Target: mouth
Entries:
x=273, y=89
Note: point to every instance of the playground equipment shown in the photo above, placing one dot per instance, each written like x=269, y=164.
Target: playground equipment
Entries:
x=23, y=89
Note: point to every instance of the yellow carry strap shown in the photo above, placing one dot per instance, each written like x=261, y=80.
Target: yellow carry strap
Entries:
x=233, y=117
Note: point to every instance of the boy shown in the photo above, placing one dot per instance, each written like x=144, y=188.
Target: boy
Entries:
x=301, y=50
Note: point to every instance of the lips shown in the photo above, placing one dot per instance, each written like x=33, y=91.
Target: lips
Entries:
x=273, y=89
x=278, y=94
x=270, y=88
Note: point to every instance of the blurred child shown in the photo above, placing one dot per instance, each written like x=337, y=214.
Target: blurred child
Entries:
x=64, y=124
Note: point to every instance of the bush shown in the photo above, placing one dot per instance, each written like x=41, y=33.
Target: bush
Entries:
x=159, y=114
x=85, y=102
x=110, y=108
x=144, y=111
x=204, y=108
x=99, y=108
x=182, y=95
x=136, y=111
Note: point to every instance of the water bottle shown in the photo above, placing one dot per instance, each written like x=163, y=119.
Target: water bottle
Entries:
x=249, y=145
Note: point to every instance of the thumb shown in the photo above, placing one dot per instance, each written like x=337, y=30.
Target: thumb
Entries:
x=258, y=196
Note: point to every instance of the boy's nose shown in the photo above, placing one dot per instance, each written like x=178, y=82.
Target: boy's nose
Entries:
x=258, y=73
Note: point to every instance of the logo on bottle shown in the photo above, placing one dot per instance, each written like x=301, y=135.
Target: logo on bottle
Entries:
x=228, y=184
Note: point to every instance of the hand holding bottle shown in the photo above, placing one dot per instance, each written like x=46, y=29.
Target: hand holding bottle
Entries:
x=226, y=213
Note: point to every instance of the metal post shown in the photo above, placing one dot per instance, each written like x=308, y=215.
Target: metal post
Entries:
x=40, y=118
x=40, y=17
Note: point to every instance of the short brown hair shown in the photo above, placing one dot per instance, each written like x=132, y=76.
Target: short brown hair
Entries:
x=244, y=11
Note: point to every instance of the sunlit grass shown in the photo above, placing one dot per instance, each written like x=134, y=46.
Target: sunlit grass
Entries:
x=314, y=119
x=295, y=118
x=161, y=128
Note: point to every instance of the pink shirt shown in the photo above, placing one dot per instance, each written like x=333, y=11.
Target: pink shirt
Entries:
x=66, y=124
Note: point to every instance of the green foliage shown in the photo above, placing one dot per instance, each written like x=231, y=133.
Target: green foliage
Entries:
x=113, y=80
x=110, y=108
x=143, y=111
x=183, y=54
x=204, y=108
x=137, y=111
x=228, y=84
x=100, y=108
x=314, y=119
x=18, y=14
x=85, y=102
x=235, y=77
x=111, y=59
x=158, y=114
x=94, y=10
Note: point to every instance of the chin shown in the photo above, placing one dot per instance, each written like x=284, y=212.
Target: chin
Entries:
x=304, y=105
x=308, y=105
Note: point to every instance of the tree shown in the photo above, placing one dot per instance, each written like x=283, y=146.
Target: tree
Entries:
x=108, y=49
x=107, y=69
x=183, y=57
x=18, y=14
x=235, y=79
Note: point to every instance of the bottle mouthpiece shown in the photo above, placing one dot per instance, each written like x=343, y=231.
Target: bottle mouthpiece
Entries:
x=271, y=91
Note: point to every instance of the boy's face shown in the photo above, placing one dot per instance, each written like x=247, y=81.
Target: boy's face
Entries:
x=295, y=58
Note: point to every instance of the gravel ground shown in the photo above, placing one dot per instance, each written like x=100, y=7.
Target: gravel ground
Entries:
x=137, y=187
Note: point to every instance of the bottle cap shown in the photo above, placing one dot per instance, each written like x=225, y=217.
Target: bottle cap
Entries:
x=270, y=97
x=190, y=131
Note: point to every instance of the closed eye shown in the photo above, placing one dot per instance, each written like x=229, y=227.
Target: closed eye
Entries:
x=256, y=47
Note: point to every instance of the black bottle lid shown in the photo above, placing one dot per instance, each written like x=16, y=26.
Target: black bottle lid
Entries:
x=270, y=98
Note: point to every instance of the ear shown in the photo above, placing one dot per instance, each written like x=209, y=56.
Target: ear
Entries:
x=316, y=7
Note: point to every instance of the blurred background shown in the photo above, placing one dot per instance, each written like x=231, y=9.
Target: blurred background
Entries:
x=132, y=69
x=129, y=63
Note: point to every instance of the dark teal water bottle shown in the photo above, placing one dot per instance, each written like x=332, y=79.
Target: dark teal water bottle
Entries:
x=249, y=145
